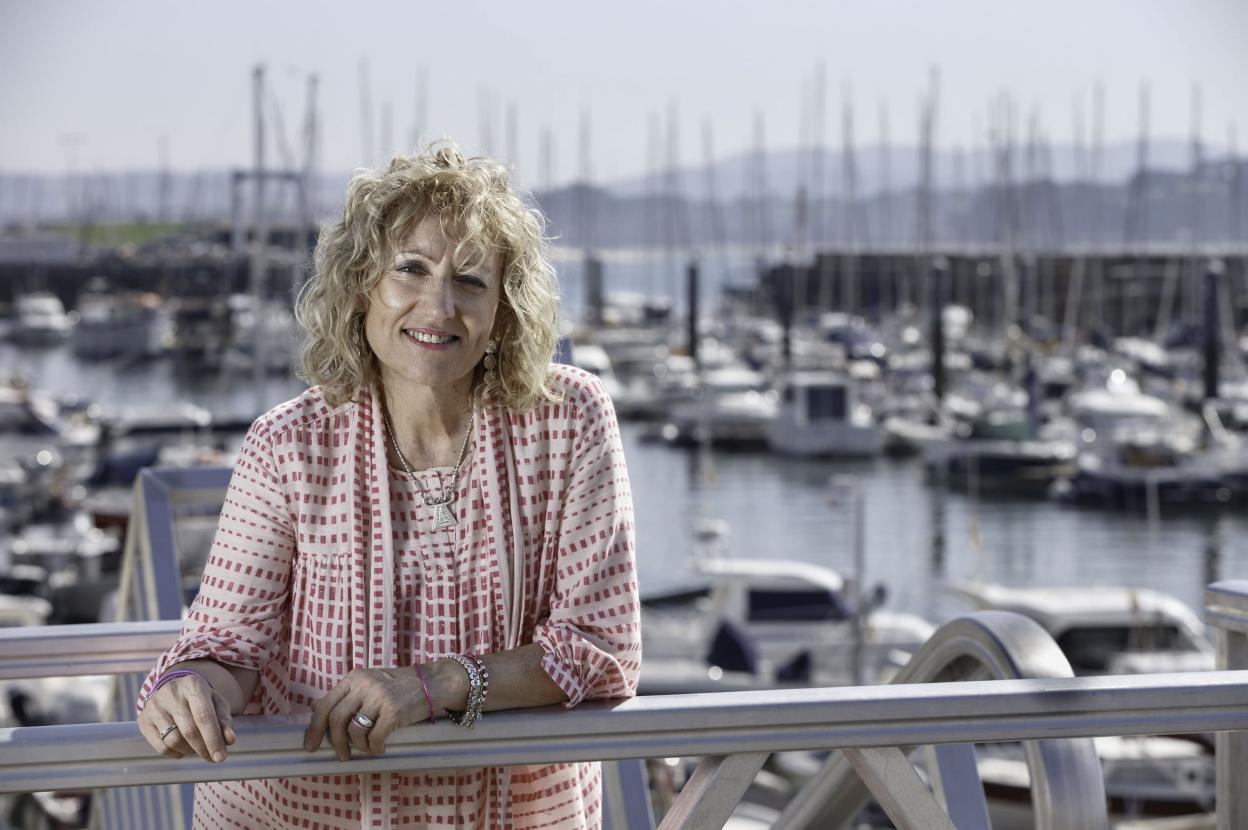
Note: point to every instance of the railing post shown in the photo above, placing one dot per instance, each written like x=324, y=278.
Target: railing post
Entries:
x=1226, y=609
x=626, y=796
x=151, y=589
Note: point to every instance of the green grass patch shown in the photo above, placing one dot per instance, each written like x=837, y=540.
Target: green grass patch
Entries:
x=114, y=236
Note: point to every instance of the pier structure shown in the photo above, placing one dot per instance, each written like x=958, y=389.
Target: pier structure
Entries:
x=209, y=260
x=1116, y=292
x=938, y=701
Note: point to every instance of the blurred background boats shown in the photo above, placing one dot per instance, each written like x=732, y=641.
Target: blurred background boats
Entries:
x=1032, y=381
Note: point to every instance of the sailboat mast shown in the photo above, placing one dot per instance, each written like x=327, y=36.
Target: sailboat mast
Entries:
x=1195, y=217
x=366, y=114
x=884, y=225
x=1098, y=146
x=1235, y=211
x=546, y=160
x=849, y=273
x=719, y=237
x=260, y=247
x=420, y=109
x=513, y=136
x=307, y=183
x=760, y=185
x=818, y=192
x=386, y=147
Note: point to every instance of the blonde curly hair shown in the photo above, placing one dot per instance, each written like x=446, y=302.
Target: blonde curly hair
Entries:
x=476, y=205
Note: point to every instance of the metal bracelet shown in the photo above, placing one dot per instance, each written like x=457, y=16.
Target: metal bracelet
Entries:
x=478, y=686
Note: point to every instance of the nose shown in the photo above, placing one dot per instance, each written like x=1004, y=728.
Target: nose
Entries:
x=441, y=296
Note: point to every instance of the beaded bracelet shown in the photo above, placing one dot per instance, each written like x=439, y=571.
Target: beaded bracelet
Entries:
x=167, y=676
x=424, y=687
x=478, y=686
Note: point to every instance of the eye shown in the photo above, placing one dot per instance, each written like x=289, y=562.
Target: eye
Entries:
x=410, y=267
x=473, y=281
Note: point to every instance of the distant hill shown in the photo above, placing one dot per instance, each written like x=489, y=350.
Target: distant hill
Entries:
x=640, y=211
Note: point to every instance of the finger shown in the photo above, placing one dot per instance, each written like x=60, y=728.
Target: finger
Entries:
x=158, y=720
x=205, y=714
x=190, y=732
x=358, y=735
x=380, y=732
x=338, y=721
x=178, y=744
x=152, y=735
x=320, y=716
x=224, y=717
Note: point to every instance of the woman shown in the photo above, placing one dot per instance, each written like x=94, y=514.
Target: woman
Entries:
x=441, y=525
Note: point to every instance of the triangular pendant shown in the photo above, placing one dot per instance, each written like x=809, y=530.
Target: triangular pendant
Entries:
x=442, y=517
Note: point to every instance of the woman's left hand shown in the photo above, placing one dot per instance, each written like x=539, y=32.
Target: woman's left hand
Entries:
x=390, y=698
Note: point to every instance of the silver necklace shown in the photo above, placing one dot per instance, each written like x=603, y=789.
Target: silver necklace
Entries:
x=442, y=516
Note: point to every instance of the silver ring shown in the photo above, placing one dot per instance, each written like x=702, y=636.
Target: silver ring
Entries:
x=362, y=720
x=164, y=733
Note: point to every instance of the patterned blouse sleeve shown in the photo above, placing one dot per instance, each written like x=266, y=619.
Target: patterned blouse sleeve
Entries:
x=592, y=637
x=238, y=617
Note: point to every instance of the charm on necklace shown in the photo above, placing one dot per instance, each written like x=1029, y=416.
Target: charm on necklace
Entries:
x=443, y=518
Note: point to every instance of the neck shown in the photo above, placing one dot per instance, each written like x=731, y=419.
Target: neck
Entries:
x=428, y=423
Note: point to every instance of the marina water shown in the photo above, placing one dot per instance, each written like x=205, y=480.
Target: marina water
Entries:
x=918, y=536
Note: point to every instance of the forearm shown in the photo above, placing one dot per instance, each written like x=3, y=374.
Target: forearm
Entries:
x=517, y=681
x=235, y=683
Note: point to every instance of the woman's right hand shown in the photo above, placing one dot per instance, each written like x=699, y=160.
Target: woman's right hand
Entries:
x=201, y=715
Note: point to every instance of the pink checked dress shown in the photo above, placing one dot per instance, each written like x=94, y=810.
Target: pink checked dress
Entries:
x=309, y=577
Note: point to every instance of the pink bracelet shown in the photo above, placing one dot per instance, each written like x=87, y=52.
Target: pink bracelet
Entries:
x=167, y=676
x=424, y=687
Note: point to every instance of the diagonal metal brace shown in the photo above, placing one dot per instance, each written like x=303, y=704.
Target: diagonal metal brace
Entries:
x=897, y=787
x=713, y=791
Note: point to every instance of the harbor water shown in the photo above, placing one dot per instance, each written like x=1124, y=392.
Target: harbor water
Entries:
x=917, y=537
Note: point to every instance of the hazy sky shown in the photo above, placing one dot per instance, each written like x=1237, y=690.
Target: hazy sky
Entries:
x=94, y=84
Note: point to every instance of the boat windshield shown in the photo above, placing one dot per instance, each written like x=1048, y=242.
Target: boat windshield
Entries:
x=783, y=605
x=827, y=402
x=1090, y=649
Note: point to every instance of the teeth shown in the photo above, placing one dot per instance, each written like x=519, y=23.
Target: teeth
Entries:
x=428, y=338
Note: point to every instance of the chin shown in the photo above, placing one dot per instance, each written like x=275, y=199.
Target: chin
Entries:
x=426, y=377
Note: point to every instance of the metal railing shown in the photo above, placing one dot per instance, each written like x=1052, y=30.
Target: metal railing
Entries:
x=734, y=731
x=1226, y=609
x=76, y=650
x=1067, y=782
x=939, y=702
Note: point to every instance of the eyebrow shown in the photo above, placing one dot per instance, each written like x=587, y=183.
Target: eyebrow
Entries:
x=477, y=269
x=421, y=252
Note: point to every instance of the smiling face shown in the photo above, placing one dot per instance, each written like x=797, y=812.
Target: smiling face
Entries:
x=430, y=315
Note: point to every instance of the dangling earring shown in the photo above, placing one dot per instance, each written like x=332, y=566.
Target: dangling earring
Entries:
x=490, y=362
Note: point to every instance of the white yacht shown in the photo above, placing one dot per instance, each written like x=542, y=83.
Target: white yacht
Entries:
x=759, y=623
x=1109, y=630
x=1137, y=449
x=40, y=320
x=731, y=405
x=116, y=325
x=593, y=359
x=268, y=329
x=821, y=414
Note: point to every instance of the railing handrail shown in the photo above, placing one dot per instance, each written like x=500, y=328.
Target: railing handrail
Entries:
x=114, y=754
x=83, y=648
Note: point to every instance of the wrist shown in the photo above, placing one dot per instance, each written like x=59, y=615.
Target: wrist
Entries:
x=448, y=685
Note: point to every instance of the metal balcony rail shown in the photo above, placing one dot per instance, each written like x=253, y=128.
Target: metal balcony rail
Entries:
x=873, y=727
x=76, y=650
x=737, y=730
x=725, y=727
x=1067, y=780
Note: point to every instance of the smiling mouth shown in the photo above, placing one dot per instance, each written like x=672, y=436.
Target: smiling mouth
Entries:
x=433, y=339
